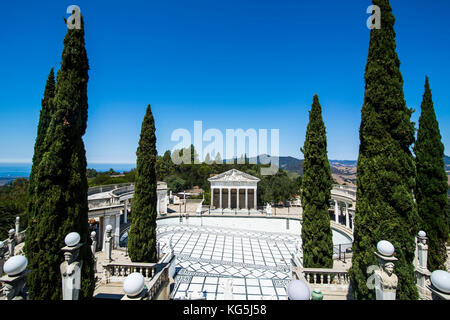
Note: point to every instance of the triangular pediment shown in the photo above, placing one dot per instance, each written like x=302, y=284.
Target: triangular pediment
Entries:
x=234, y=175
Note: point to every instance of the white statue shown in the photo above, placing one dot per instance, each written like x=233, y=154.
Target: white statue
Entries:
x=269, y=209
x=71, y=267
x=385, y=280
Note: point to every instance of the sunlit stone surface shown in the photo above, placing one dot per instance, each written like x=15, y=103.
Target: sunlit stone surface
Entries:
x=298, y=290
x=15, y=265
x=441, y=280
x=72, y=239
x=134, y=284
x=385, y=248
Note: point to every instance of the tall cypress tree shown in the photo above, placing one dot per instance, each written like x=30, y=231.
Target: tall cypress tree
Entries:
x=385, y=208
x=142, y=234
x=61, y=185
x=317, y=183
x=44, y=122
x=431, y=182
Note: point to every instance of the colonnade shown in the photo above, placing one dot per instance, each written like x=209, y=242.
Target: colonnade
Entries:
x=349, y=217
x=242, y=200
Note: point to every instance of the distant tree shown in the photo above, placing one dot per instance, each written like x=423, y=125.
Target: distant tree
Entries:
x=317, y=237
x=91, y=173
x=175, y=183
x=142, y=234
x=385, y=208
x=431, y=183
x=13, y=203
x=218, y=159
x=208, y=159
x=60, y=205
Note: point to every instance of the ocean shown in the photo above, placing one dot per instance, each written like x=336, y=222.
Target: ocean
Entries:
x=22, y=170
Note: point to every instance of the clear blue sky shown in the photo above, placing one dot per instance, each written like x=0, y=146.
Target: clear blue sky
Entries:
x=232, y=64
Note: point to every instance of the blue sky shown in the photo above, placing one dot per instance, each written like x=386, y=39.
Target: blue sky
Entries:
x=231, y=64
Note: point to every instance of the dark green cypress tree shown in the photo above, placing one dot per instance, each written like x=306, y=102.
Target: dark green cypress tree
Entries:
x=317, y=182
x=142, y=234
x=61, y=185
x=431, y=183
x=385, y=208
x=44, y=122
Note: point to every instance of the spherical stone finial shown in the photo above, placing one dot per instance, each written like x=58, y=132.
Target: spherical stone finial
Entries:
x=108, y=227
x=298, y=290
x=441, y=280
x=134, y=284
x=422, y=234
x=72, y=239
x=17, y=219
x=93, y=234
x=385, y=248
x=15, y=265
x=11, y=231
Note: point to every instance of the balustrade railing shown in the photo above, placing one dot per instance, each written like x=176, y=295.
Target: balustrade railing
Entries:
x=156, y=275
x=326, y=276
x=115, y=272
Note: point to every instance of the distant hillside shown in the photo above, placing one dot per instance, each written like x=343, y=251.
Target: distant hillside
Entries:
x=286, y=163
x=447, y=162
x=339, y=167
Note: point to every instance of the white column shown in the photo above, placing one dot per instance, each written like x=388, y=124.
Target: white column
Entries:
x=246, y=198
x=125, y=212
x=347, y=220
x=336, y=211
x=117, y=231
x=255, y=204
x=220, y=198
x=353, y=223
x=229, y=198
x=212, y=196
x=237, y=198
x=157, y=203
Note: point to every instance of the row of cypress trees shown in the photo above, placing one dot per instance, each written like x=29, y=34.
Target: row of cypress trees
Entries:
x=397, y=193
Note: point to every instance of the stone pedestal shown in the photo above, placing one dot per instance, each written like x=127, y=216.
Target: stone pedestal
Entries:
x=15, y=279
x=71, y=267
x=14, y=288
x=385, y=280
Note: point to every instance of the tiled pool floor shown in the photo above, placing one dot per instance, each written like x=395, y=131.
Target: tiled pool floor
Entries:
x=258, y=262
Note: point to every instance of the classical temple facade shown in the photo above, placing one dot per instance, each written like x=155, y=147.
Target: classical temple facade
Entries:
x=234, y=189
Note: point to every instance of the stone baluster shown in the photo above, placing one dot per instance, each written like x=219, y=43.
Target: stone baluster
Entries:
x=71, y=267
x=11, y=242
x=385, y=280
x=15, y=278
x=108, y=243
